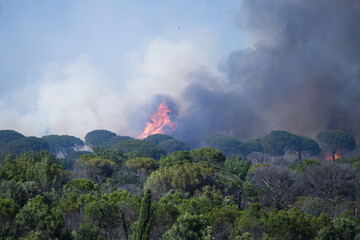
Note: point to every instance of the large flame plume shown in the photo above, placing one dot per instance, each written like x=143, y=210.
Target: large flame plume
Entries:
x=161, y=122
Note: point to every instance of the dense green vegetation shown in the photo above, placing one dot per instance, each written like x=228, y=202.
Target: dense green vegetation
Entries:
x=63, y=145
x=134, y=189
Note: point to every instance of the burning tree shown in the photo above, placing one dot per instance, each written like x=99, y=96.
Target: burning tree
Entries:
x=335, y=142
x=161, y=122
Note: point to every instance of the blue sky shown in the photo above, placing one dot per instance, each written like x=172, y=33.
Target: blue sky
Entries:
x=52, y=46
x=36, y=32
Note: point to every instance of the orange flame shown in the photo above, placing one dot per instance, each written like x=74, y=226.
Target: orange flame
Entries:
x=160, y=120
x=328, y=157
x=338, y=154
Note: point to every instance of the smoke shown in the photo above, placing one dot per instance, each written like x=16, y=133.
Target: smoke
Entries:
x=300, y=72
x=77, y=97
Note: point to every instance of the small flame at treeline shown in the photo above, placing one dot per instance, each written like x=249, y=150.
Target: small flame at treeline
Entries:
x=161, y=122
x=337, y=155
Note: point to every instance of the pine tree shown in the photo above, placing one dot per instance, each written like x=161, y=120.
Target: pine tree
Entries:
x=143, y=227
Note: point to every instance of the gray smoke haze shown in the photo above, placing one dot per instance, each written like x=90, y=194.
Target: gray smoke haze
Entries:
x=300, y=73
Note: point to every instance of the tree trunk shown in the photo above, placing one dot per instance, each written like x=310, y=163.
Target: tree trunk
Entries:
x=124, y=226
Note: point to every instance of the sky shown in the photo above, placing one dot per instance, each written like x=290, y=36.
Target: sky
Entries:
x=72, y=66
x=237, y=67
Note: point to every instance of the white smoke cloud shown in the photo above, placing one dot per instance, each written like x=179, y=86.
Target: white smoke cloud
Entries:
x=164, y=67
x=77, y=97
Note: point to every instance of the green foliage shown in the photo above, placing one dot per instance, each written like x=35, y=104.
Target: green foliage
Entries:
x=146, y=165
x=340, y=228
x=250, y=146
x=69, y=162
x=315, y=207
x=172, y=145
x=8, y=209
x=249, y=192
x=111, y=216
x=144, y=223
x=98, y=169
x=97, y=137
x=20, y=192
x=41, y=219
x=197, y=194
x=237, y=166
x=110, y=154
x=165, y=212
x=354, y=161
x=63, y=145
x=191, y=227
x=7, y=136
x=305, y=145
x=244, y=236
x=187, y=178
x=223, y=220
x=147, y=149
x=179, y=157
x=114, y=140
x=23, y=145
x=41, y=168
x=252, y=221
x=356, y=165
x=7, y=231
x=204, y=204
x=228, y=145
x=209, y=155
x=334, y=140
x=303, y=165
x=158, y=138
x=277, y=143
x=256, y=166
x=142, y=167
x=80, y=186
x=293, y=224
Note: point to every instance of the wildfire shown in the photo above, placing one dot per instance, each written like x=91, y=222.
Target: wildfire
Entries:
x=328, y=156
x=161, y=122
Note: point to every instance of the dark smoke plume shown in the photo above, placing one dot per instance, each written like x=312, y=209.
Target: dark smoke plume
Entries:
x=302, y=73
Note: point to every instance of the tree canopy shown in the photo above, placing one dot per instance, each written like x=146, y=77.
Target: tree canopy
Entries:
x=173, y=145
x=145, y=148
x=305, y=145
x=278, y=142
x=22, y=145
x=209, y=155
x=195, y=194
x=114, y=140
x=228, y=145
x=7, y=136
x=97, y=137
x=157, y=138
x=335, y=139
x=62, y=145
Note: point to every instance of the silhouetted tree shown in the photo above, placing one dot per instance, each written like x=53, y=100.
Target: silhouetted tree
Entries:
x=277, y=143
x=7, y=136
x=334, y=140
x=144, y=222
x=97, y=137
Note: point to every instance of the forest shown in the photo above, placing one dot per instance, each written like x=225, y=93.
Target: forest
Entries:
x=279, y=186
